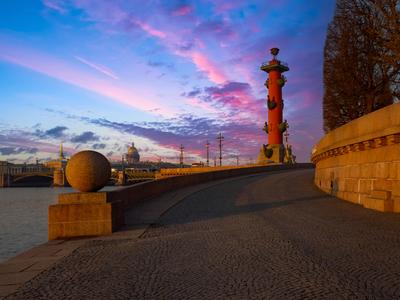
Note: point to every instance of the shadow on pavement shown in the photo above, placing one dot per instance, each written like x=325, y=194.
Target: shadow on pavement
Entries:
x=244, y=196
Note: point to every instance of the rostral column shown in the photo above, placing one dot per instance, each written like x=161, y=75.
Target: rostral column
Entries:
x=274, y=151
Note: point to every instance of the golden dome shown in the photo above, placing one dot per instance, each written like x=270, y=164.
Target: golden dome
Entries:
x=133, y=154
x=132, y=149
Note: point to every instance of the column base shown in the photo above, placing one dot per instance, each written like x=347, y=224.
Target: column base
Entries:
x=271, y=153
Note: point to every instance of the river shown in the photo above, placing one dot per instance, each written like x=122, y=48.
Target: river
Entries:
x=23, y=217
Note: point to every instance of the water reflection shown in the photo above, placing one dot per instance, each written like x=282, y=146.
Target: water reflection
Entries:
x=23, y=217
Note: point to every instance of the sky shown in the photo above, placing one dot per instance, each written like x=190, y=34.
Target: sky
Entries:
x=99, y=74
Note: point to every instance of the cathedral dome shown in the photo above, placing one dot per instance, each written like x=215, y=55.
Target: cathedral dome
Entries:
x=133, y=155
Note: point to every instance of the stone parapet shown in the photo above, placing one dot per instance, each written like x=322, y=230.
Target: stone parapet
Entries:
x=360, y=161
x=171, y=172
x=101, y=213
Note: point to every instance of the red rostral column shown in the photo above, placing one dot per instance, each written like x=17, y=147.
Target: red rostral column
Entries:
x=275, y=127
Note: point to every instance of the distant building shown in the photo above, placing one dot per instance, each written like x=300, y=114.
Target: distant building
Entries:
x=59, y=163
x=132, y=156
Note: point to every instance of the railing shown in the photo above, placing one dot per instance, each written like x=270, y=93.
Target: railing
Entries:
x=18, y=170
x=278, y=62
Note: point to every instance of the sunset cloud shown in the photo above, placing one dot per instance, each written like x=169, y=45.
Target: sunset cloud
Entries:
x=203, y=63
x=84, y=137
x=55, y=132
x=165, y=74
x=99, y=146
x=19, y=143
x=17, y=150
x=150, y=29
x=64, y=71
x=183, y=10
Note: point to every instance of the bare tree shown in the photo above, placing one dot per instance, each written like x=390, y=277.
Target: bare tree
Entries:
x=361, y=60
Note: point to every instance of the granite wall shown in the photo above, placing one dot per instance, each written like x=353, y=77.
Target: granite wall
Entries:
x=360, y=161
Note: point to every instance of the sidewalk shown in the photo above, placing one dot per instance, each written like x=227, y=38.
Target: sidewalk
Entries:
x=25, y=266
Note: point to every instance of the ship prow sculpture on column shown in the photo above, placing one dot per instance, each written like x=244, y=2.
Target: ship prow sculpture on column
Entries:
x=274, y=151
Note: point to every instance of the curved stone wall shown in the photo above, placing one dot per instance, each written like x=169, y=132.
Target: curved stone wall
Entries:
x=360, y=161
x=99, y=213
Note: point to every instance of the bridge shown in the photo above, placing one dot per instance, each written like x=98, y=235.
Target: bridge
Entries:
x=27, y=178
x=266, y=235
x=46, y=177
x=131, y=176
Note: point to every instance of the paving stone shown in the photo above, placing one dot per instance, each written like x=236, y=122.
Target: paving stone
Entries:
x=16, y=278
x=42, y=264
x=273, y=236
x=7, y=290
x=15, y=267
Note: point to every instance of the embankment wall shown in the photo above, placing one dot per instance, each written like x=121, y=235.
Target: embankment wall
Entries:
x=100, y=213
x=360, y=161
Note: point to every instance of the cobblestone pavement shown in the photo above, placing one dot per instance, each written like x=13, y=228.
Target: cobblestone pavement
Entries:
x=271, y=236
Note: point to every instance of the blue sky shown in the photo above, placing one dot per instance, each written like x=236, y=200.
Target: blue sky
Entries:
x=102, y=74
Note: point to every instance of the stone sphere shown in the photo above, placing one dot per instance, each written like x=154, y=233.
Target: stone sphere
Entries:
x=88, y=171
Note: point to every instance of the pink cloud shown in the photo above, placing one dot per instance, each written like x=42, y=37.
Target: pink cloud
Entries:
x=231, y=101
x=66, y=72
x=19, y=138
x=101, y=11
x=199, y=43
x=112, y=14
x=204, y=64
x=222, y=7
x=183, y=10
x=248, y=75
x=150, y=30
x=234, y=96
x=205, y=106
